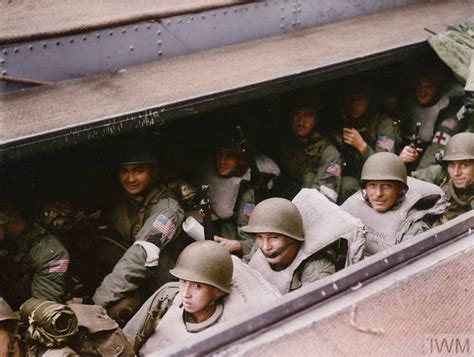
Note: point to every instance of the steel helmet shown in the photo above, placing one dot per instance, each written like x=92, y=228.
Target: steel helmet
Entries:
x=276, y=215
x=205, y=262
x=6, y=312
x=460, y=147
x=384, y=166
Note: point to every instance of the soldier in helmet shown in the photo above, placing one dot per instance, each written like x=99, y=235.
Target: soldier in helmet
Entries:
x=455, y=175
x=148, y=218
x=232, y=185
x=193, y=304
x=34, y=262
x=9, y=338
x=307, y=157
x=391, y=206
x=281, y=253
x=365, y=132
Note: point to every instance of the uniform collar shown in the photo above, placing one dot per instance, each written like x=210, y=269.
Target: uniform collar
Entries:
x=201, y=326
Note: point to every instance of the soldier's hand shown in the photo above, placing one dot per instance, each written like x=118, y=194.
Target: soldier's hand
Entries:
x=233, y=246
x=353, y=138
x=409, y=154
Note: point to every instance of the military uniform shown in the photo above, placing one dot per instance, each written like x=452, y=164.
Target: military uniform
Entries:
x=448, y=124
x=312, y=260
x=459, y=148
x=381, y=134
x=233, y=199
x=152, y=221
x=162, y=320
x=315, y=164
x=33, y=265
x=406, y=217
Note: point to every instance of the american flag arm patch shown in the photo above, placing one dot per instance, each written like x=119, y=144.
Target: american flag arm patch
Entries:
x=248, y=209
x=334, y=168
x=385, y=143
x=164, y=225
x=441, y=138
x=450, y=123
x=58, y=266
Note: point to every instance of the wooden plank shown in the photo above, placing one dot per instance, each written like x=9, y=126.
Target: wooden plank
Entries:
x=140, y=96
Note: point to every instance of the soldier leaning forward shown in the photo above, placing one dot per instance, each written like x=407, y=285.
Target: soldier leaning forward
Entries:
x=232, y=192
x=149, y=218
x=455, y=175
x=34, y=263
x=213, y=288
x=307, y=157
x=364, y=133
x=392, y=207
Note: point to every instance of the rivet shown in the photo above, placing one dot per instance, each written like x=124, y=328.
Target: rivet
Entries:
x=4, y=72
x=2, y=61
x=169, y=22
x=214, y=15
x=5, y=52
x=131, y=48
x=58, y=43
x=30, y=47
x=323, y=293
x=160, y=53
x=124, y=31
x=71, y=40
x=136, y=28
x=158, y=32
x=282, y=17
x=159, y=43
x=203, y=17
x=84, y=38
x=225, y=12
x=256, y=7
x=45, y=45
x=282, y=26
x=111, y=33
x=97, y=35
x=16, y=50
x=298, y=23
x=180, y=21
x=148, y=26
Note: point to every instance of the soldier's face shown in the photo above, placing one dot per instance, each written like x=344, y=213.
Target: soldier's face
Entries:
x=197, y=296
x=356, y=105
x=303, y=121
x=278, y=249
x=425, y=90
x=461, y=172
x=227, y=162
x=135, y=178
x=382, y=194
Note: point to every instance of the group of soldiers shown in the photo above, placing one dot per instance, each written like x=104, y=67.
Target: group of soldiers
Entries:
x=372, y=184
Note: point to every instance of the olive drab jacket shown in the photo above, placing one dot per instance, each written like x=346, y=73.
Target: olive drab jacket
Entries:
x=34, y=264
x=389, y=228
x=316, y=164
x=379, y=131
x=160, y=321
x=461, y=200
x=159, y=222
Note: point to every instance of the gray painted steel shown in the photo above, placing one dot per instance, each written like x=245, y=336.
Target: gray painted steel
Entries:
x=298, y=302
x=108, y=49
x=149, y=95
